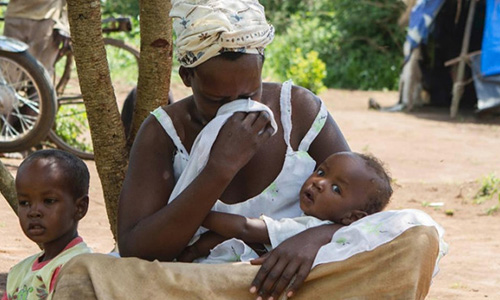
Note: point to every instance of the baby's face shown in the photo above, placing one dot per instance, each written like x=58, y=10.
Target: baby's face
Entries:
x=340, y=185
x=47, y=209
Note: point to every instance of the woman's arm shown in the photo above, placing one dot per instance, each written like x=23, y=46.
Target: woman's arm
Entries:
x=250, y=230
x=149, y=228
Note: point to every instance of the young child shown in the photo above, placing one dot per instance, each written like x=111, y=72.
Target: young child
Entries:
x=346, y=187
x=52, y=190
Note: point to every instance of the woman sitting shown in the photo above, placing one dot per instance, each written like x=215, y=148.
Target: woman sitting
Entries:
x=256, y=166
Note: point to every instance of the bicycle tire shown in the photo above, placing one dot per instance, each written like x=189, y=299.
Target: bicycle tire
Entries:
x=76, y=101
x=32, y=107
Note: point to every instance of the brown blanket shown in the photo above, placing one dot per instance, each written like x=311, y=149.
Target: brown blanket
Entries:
x=401, y=269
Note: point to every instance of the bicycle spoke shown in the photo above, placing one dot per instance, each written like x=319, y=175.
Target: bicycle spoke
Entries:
x=32, y=104
x=27, y=121
x=8, y=131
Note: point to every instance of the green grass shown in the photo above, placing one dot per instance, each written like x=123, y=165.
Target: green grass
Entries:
x=490, y=186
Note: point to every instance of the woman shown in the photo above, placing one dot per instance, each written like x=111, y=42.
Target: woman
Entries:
x=243, y=163
x=250, y=170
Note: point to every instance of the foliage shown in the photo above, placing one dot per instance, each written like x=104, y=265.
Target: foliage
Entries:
x=279, y=11
x=359, y=41
x=282, y=52
x=307, y=71
x=120, y=7
x=489, y=186
x=72, y=124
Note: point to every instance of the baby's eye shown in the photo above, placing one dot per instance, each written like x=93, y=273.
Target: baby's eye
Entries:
x=23, y=203
x=336, y=189
x=320, y=172
x=49, y=201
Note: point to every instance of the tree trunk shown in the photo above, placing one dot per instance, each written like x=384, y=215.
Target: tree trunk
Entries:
x=155, y=65
x=106, y=129
x=7, y=187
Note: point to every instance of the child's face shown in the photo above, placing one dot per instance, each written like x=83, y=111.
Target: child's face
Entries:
x=338, y=189
x=48, y=212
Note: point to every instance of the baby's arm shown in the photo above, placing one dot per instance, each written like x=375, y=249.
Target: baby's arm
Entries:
x=250, y=230
x=201, y=247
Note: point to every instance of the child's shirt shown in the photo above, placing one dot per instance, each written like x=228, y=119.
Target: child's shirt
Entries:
x=31, y=279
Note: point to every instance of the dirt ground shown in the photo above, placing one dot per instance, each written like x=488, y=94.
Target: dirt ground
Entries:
x=431, y=158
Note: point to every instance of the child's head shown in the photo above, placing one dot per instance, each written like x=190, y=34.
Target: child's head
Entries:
x=52, y=190
x=346, y=187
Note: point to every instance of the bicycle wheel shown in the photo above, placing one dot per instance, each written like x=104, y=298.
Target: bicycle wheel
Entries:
x=71, y=131
x=27, y=101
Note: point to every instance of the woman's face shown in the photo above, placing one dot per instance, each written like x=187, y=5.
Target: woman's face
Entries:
x=220, y=80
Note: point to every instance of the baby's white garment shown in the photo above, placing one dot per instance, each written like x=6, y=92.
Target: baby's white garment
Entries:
x=283, y=229
x=374, y=230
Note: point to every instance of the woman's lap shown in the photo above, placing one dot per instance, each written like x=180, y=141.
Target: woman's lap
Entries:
x=401, y=269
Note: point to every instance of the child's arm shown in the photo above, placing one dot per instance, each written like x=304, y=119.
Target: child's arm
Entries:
x=250, y=230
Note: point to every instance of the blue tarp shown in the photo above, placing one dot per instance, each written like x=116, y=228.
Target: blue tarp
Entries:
x=421, y=19
x=490, y=56
x=487, y=88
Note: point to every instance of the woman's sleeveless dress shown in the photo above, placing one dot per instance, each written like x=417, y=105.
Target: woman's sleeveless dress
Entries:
x=281, y=198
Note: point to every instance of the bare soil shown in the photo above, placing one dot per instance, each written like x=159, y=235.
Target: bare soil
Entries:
x=431, y=158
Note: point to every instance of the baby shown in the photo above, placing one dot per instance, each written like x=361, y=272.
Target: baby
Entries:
x=52, y=191
x=346, y=187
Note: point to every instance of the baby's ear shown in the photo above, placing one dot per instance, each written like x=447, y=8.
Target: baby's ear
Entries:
x=352, y=217
x=82, y=205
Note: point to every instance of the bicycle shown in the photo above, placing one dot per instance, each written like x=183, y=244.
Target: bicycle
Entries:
x=55, y=121
x=27, y=98
x=71, y=131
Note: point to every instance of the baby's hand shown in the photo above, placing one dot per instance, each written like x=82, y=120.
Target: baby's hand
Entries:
x=189, y=254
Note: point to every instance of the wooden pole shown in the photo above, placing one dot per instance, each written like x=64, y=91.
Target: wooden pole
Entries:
x=458, y=85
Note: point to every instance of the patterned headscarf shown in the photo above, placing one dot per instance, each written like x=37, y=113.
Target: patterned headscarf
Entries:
x=207, y=28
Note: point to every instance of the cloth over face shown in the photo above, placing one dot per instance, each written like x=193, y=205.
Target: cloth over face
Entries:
x=207, y=28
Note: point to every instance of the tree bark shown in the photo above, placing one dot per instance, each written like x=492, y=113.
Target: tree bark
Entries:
x=106, y=129
x=8, y=187
x=155, y=64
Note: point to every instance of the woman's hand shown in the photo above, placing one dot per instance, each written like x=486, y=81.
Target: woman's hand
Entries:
x=289, y=264
x=240, y=138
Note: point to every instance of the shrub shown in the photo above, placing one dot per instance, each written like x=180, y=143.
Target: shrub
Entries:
x=359, y=41
x=307, y=71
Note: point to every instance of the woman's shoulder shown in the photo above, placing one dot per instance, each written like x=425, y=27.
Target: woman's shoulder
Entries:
x=301, y=98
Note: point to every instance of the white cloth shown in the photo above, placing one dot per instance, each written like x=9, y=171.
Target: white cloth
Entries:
x=232, y=250
x=235, y=250
x=203, y=143
x=363, y=235
x=374, y=230
x=283, y=229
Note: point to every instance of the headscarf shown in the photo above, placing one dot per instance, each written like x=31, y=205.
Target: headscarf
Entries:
x=207, y=28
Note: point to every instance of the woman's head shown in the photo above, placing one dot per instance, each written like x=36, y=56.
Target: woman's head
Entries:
x=220, y=45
